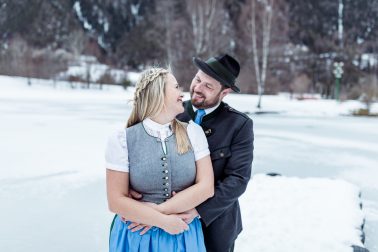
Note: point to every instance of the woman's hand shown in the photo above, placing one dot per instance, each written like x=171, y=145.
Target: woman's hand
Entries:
x=175, y=224
x=138, y=226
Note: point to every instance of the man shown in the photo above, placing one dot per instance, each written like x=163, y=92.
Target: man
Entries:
x=230, y=137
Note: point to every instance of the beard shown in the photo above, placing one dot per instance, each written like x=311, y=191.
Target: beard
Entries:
x=204, y=102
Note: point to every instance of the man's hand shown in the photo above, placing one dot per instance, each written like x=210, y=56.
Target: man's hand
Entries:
x=135, y=195
x=189, y=215
x=173, y=224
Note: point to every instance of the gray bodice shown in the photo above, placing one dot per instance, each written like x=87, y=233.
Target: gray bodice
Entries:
x=153, y=173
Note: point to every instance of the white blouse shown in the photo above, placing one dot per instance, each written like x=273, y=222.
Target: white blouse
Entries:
x=116, y=154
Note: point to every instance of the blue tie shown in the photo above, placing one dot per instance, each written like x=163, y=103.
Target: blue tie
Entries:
x=199, y=116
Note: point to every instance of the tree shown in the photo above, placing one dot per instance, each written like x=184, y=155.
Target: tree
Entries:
x=202, y=15
x=300, y=85
x=260, y=57
x=211, y=27
x=316, y=25
x=76, y=43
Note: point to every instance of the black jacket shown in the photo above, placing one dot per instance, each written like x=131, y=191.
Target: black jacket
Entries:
x=230, y=137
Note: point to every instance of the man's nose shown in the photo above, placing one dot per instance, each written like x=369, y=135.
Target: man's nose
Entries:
x=198, y=87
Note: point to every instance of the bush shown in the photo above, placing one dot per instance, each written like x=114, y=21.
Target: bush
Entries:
x=74, y=78
x=369, y=86
x=125, y=83
x=300, y=85
x=20, y=59
x=363, y=112
x=355, y=92
x=106, y=78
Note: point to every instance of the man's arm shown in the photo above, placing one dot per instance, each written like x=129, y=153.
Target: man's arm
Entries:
x=237, y=175
x=117, y=187
x=194, y=195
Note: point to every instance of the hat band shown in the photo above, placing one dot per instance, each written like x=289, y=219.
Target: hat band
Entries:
x=219, y=69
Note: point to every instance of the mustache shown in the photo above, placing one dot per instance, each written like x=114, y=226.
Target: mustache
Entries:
x=198, y=93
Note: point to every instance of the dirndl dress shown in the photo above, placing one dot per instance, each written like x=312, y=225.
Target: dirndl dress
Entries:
x=156, y=239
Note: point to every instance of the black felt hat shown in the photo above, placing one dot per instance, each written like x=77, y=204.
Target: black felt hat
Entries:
x=223, y=68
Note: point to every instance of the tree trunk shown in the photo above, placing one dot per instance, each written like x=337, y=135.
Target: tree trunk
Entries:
x=266, y=30
x=168, y=31
x=202, y=17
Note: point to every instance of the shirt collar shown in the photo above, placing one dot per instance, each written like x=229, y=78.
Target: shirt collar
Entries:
x=156, y=126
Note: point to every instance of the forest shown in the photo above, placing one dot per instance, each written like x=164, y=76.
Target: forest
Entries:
x=282, y=45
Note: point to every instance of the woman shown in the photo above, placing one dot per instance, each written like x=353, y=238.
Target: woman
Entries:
x=157, y=155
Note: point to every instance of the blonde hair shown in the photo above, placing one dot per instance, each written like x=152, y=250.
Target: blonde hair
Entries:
x=149, y=101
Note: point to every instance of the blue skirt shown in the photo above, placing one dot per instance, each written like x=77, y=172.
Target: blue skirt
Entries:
x=156, y=239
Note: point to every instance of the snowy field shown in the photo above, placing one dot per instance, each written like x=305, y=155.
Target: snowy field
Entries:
x=300, y=214
x=52, y=188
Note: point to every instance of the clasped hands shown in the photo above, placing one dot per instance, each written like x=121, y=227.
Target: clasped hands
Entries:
x=187, y=216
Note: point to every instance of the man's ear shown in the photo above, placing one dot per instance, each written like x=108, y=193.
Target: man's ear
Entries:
x=226, y=92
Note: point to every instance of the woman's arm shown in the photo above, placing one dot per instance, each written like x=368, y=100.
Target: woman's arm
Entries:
x=195, y=194
x=117, y=184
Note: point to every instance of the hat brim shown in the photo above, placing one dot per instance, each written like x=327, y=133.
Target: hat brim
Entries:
x=200, y=64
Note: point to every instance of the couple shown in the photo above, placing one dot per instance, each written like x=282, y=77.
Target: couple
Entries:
x=189, y=161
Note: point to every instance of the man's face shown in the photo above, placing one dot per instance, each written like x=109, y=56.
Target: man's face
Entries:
x=205, y=91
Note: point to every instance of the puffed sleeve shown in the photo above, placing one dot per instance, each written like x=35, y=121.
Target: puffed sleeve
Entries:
x=116, y=155
x=198, y=140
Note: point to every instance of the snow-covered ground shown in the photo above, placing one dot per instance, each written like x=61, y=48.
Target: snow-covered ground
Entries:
x=87, y=67
x=300, y=214
x=52, y=188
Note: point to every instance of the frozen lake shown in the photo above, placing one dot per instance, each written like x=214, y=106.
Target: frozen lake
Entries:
x=52, y=188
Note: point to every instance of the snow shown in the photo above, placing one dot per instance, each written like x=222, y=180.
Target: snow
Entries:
x=101, y=41
x=79, y=14
x=52, y=184
x=296, y=214
x=135, y=9
x=89, y=66
x=282, y=104
x=360, y=40
x=369, y=60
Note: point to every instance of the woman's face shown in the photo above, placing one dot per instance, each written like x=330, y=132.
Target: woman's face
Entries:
x=173, y=96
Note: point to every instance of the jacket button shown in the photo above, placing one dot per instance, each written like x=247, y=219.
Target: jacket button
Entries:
x=165, y=164
x=166, y=184
x=166, y=189
x=163, y=158
x=166, y=195
x=165, y=171
x=165, y=178
x=221, y=154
